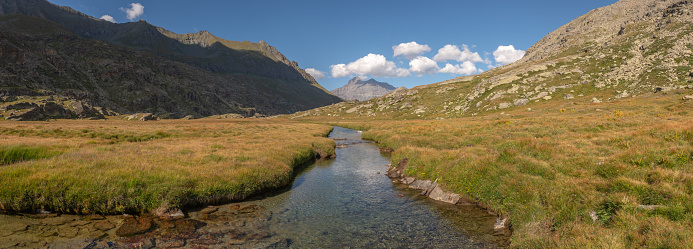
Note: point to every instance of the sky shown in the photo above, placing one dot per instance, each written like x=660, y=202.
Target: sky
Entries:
x=402, y=42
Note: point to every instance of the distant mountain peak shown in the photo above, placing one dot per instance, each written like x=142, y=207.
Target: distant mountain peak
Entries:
x=358, y=89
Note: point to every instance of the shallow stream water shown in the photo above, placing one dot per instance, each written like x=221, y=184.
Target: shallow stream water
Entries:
x=347, y=202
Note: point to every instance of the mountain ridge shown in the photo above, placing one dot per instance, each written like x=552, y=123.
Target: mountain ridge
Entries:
x=256, y=75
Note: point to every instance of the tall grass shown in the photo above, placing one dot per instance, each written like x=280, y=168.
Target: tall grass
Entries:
x=19, y=153
x=184, y=163
x=548, y=170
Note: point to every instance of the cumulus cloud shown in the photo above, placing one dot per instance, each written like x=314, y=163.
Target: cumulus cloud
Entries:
x=373, y=64
x=410, y=50
x=453, y=52
x=135, y=11
x=108, y=18
x=423, y=65
x=466, y=68
x=507, y=54
x=317, y=74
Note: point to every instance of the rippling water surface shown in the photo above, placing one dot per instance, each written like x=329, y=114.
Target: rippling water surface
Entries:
x=349, y=202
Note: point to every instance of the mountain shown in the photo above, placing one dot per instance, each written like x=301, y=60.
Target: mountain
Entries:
x=357, y=89
x=624, y=50
x=148, y=68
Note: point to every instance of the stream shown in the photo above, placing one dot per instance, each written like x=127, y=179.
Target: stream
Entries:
x=347, y=202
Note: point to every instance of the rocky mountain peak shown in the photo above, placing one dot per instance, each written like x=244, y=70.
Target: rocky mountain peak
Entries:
x=358, y=89
x=602, y=25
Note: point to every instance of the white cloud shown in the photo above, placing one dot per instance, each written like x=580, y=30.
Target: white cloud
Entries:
x=507, y=54
x=317, y=74
x=423, y=65
x=465, y=68
x=108, y=18
x=453, y=52
x=374, y=64
x=410, y=50
x=339, y=70
x=135, y=11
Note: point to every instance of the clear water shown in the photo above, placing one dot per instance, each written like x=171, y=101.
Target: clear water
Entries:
x=350, y=202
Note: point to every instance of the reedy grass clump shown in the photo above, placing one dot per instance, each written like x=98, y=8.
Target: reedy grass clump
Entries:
x=196, y=163
x=19, y=153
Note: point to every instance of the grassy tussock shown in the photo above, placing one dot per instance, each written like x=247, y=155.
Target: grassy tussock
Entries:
x=19, y=153
x=180, y=163
x=548, y=169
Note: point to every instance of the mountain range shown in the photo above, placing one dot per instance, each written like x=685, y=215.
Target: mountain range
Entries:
x=358, y=89
x=138, y=67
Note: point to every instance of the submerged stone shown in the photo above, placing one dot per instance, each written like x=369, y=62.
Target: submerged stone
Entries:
x=133, y=226
x=104, y=225
x=56, y=221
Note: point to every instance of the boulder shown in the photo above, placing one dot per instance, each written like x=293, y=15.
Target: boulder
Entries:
x=53, y=110
x=501, y=224
x=595, y=100
x=32, y=114
x=19, y=106
x=504, y=105
x=568, y=96
x=687, y=97
x=520, y=102
x=541, y=95
x=81, y=110
x=425, y=185
x=439, y=194
x=148, y=117
x=624, y=94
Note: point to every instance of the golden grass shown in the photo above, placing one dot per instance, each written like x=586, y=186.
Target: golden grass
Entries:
x=548, y=168
x=118, y=166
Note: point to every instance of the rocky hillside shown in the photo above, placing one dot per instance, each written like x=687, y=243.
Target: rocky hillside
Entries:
x=623, y=50
x=358, y=89
x=138, y=67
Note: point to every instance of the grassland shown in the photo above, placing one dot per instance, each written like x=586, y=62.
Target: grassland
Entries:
x=628, y=162
x=116, y=166
x=551, y=169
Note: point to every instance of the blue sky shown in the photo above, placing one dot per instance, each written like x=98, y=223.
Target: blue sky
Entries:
x=343, y=39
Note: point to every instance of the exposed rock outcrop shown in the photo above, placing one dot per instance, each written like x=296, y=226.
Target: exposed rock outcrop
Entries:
x=32, y=114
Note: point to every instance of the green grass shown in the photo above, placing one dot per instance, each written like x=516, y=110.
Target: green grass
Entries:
x=19, y=153
x=177, y=164
x=548, y=170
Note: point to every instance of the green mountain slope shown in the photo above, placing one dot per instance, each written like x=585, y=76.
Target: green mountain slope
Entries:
x=624, y=50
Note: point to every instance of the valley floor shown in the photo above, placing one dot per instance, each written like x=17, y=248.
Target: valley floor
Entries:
x=616, y=174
